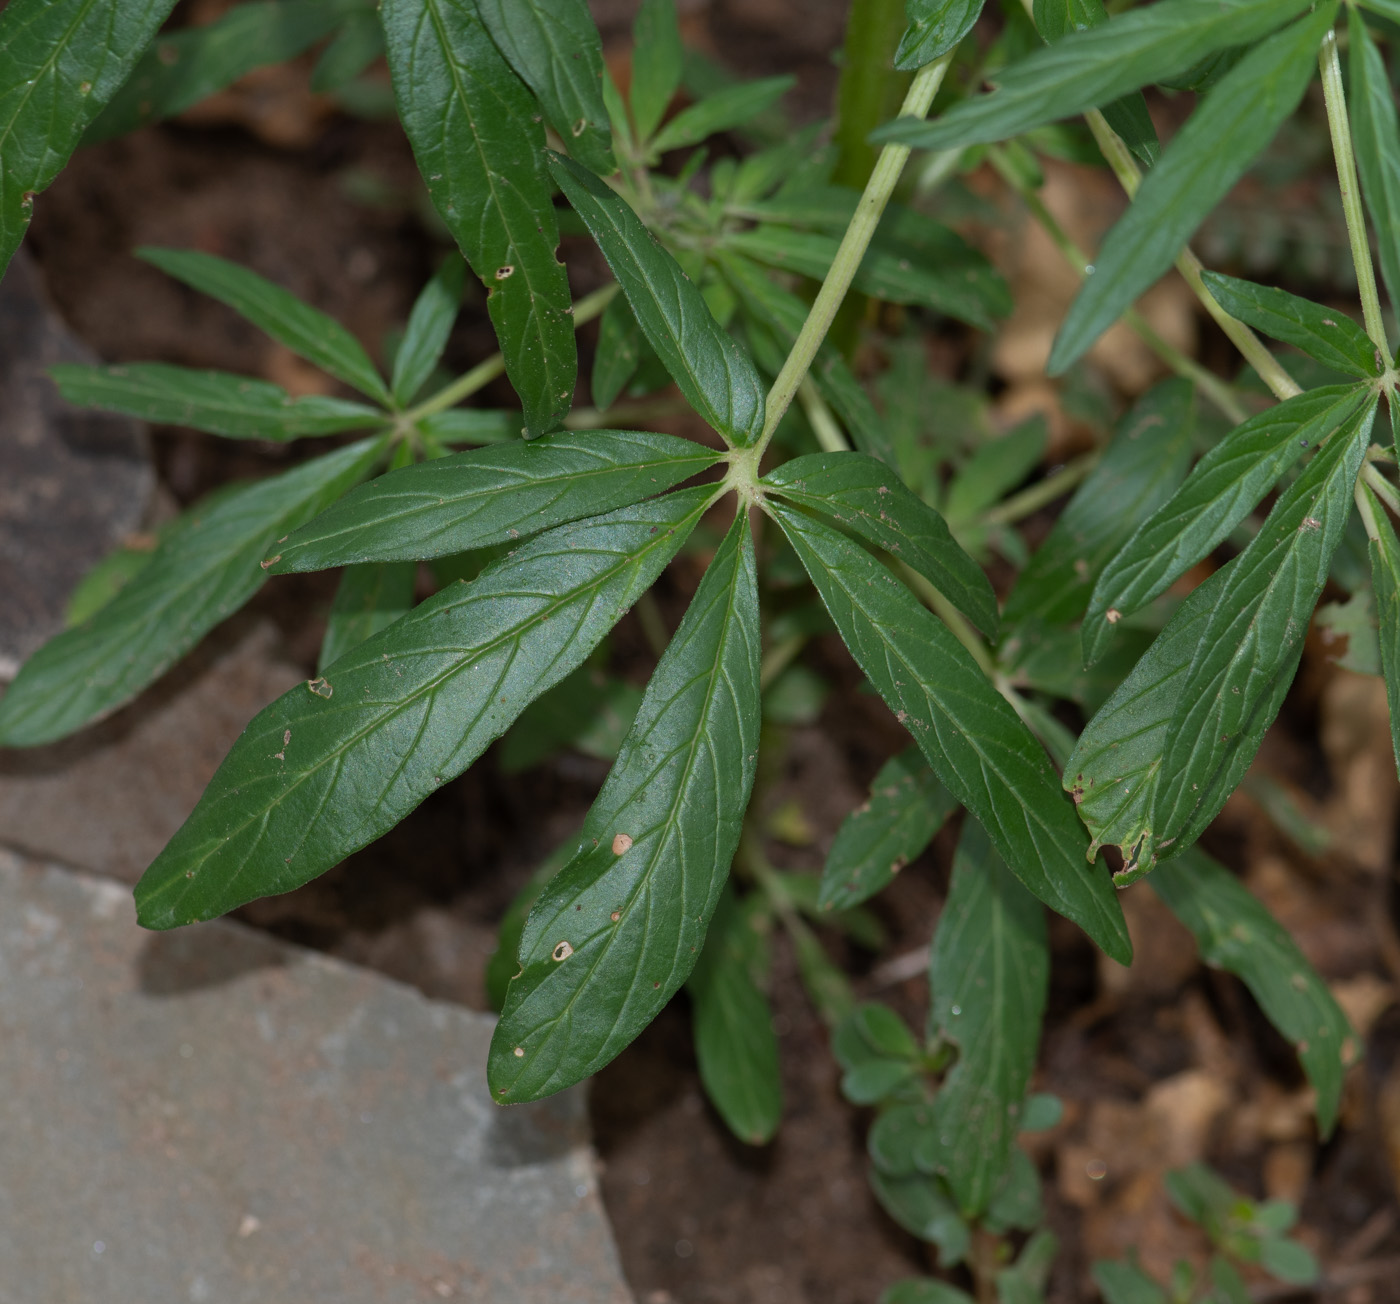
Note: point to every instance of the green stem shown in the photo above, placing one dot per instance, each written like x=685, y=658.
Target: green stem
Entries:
x=481, y=375
x=1366, y=505
x=958, y=623
x=778, y=658
x=1125, y=168
x=1021, y=505
x=1340, y=126
x=848, y=257
x=1210, y=385
x=1386, y=491
x=819, y=416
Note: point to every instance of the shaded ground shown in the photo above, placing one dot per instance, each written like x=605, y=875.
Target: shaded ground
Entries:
x=1158, y=1066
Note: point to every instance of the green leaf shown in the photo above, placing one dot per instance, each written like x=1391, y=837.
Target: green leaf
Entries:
x=1376, y=142
x=1288, y=1261
x=971, y=736
x=924, y=1290
x=471, y=426
x=1253, y=634
x=1137, y=473
x=216, y=401
x=183, y=67
x=555, y=47
x=1019, y=1202
x=657, y=59
x=989, y=973
x=921, y=1206
x=944, y=273
x=105, y=580
x=935, y=27
x=619, y=930
x=1229, y=1285
x=1331, y=337
x=334, y=763
x=735, y=1047
x=370, y=598
x=1223, y=488
x=1235, y=932
x=479, y=144
x=490, y=496
x=429, y=325
x=868, y=498
x=503, y=965
x=358, y=44
x=620, y=345
x=717, y=379
x=1385, y=577
x=1123, y=1283
x=588, y=711
x=1094, y=67
x=305, y=330
x=997, y=465
x=907, y=807
x=1228, y=130
x=202, y=571
x=725, y=109
x=60, y=62
x=873, y=1032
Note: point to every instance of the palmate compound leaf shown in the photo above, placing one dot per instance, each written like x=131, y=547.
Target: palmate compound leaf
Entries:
x=555, y=47
x=618, y=931
x=1222, y=489
x=305, y=330
x=976, y=743
x=907, y=807
x=215, y=401
x=204, y=569
x=1228, y=130
x=935, y=27
x=1385, y=579
x=1094, y=67
x=1235, y=932
x=475, y=132
x=716, y=377
x=490, y=496
x=735, y=1046
x=1253, y=634
x=60, y=62
x=1376, y=139
x=866, y=497
x=334, y=763
x=988, y=973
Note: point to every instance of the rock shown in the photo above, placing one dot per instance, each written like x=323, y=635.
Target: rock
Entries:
x=73, y=482
x=212, y=1115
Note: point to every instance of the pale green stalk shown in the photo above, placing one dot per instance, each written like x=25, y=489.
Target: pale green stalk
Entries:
x=1040, y=494
x=958, y=623
x=1340, y=126
x=1366, y=506
x=1386, y=491
x=848, y=257
x=824, y=425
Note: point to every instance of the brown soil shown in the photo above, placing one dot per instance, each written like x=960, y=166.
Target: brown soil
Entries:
x=1158, y=1065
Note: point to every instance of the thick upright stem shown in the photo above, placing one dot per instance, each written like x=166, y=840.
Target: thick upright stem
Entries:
x=1340, y=125
x=848, y=257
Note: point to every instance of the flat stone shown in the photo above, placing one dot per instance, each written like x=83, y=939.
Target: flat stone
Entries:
x=73, y=482
x=212, y=1115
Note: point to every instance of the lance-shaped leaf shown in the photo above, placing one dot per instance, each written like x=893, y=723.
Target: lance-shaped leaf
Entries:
x=1385, y=580
x=1376, y=141
x=975, y=742
x=620, y=345
x=358, y=44
x=989, y=971
x=1235, y=932
x=472, y=426
x=657, y=62
x=935, y=27
x=1125, y=1283
x=716, y=377
x=429, y=325
x=204, y=569
x=868, y=498
x=785, y=314
x=60, y=62
x=907, y=807
x=370, y=598
x=305, y=330
x=1329, y=336
x=1254, y=632
x=588, y=711
x=735, y=1048
x=1207, y=156
x=1222, y=489
x=555, y=47
x=336, y=762
x=921, y=1205
x=490, y=496
x=924, y=1290
x=183, y=67
x=945, y=273
x=618, y=931
x=216, y=401
x=731, y=107
x=1137, y=473
x=475, y=133
x=1096, y=66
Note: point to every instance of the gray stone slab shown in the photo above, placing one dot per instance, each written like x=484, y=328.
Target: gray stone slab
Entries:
x=212, y=1115
x=73, y=483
